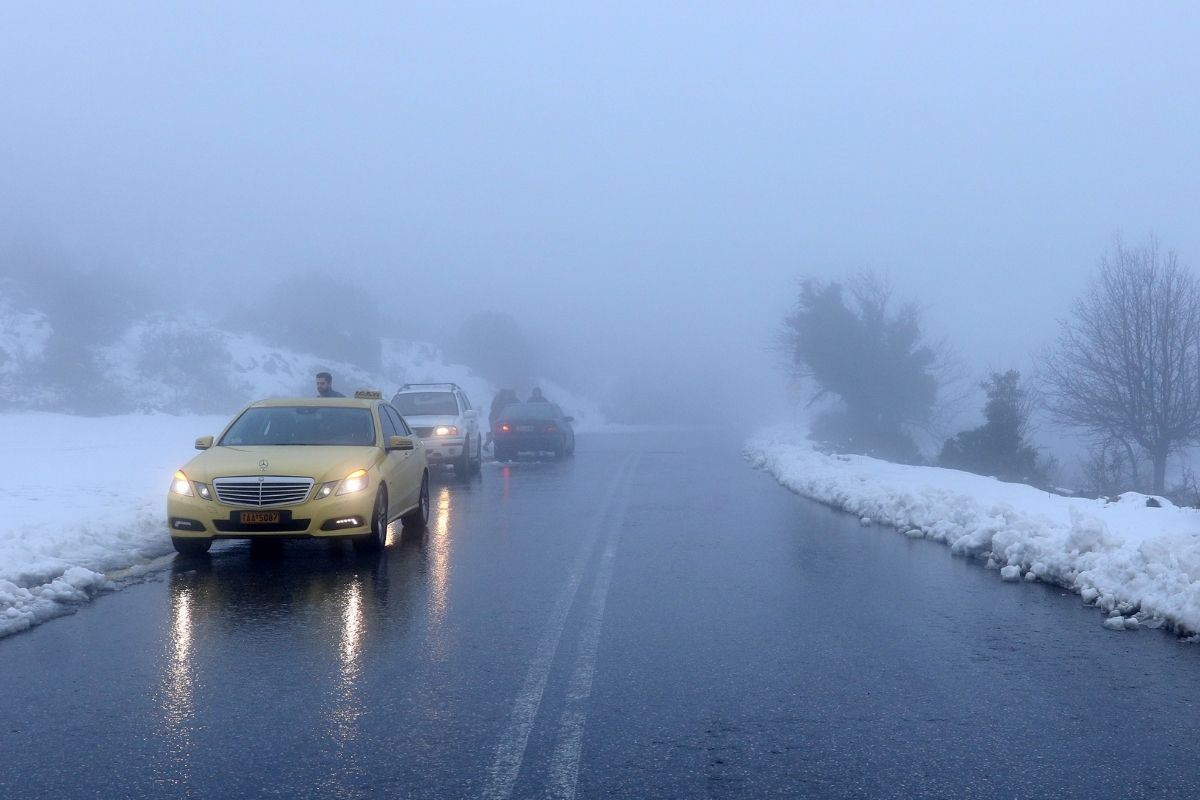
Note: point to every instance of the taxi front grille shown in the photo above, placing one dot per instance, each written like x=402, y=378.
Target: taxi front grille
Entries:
x=262, y=490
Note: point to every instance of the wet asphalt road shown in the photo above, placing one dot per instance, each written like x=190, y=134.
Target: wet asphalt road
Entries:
x=651, y=619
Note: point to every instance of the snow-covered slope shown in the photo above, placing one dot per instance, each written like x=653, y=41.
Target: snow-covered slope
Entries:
x=23, y=338
x=181, y=366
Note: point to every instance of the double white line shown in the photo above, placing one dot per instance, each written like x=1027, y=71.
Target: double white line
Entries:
x=564, y=763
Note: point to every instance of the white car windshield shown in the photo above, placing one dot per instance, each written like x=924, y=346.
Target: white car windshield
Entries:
x=301, y=425
x=415, y=404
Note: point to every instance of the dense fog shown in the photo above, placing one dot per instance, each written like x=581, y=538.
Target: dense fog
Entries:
x=619, y=197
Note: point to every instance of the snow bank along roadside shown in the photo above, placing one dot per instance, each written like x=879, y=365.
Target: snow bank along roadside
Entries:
x=79, y=499
x=1139, y=564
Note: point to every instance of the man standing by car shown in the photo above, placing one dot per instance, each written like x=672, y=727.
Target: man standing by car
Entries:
x=325, y=386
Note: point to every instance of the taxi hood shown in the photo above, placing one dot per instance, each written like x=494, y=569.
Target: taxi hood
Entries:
x=319, y=462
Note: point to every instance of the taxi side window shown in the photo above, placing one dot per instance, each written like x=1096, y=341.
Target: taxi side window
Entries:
x=398, y=420
x=389, y=425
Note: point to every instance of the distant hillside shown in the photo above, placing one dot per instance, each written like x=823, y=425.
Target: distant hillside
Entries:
x=184, y=366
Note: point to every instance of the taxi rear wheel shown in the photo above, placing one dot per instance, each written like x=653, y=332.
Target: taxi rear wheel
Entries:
x=191, y=547
x=378, y=535
x=419, y=516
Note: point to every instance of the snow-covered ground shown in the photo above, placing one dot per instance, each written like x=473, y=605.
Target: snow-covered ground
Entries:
x=1139, y=564
x=81, y=499
x=83, y=503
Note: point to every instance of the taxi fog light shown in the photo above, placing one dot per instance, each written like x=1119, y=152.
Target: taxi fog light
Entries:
x=354, y=482
x=181, y=485
x=342, y=523
x=446, y=430
x=326, y=489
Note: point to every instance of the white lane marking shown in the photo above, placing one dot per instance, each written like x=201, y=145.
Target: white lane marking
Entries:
x=564, y=763
x=511, y=749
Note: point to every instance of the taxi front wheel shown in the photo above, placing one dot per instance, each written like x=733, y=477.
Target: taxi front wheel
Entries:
x=419, y=516
x=377, y=538
x=191, y=547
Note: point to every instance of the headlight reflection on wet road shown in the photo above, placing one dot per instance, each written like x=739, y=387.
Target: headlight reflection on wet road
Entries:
x=439, y=558
x=177, y=689
x=179, y=704
x=348, y=707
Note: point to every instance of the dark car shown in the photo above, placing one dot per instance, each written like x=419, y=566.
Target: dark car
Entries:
x=532, y=428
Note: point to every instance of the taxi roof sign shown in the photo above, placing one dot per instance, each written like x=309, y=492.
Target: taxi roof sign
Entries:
x=368, y=394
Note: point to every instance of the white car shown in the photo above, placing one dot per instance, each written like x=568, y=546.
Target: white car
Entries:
x=442, y=416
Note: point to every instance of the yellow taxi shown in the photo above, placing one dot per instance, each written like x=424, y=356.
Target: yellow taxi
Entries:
x=302, y=467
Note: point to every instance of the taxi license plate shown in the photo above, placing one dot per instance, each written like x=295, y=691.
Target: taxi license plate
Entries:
x=259, y=517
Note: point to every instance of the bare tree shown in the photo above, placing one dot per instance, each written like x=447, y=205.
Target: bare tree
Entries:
x=1127, y=363
x=1112, y=466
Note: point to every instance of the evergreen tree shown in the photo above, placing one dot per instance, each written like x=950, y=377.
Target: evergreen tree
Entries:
x=851, y=343
x=997, y=447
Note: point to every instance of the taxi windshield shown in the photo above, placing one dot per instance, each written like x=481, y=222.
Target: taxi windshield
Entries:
x=301, y=425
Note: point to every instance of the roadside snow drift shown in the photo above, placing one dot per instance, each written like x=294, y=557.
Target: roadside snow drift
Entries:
x=82, y=497
x=1138, y=564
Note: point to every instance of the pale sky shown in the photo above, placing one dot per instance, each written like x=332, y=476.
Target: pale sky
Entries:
x=641, y=184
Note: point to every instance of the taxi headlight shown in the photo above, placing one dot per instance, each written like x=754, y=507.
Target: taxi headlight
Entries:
x=354, y=482
x=326, y=489
x=446, y=430
x=181, y=485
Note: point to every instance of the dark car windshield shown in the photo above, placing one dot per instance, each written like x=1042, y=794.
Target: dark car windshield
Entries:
x=530, y=411
x=415, y=404
x=301, y=425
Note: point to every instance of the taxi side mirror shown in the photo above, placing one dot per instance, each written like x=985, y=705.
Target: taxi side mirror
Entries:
x=204, y=442
x=400, y=443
